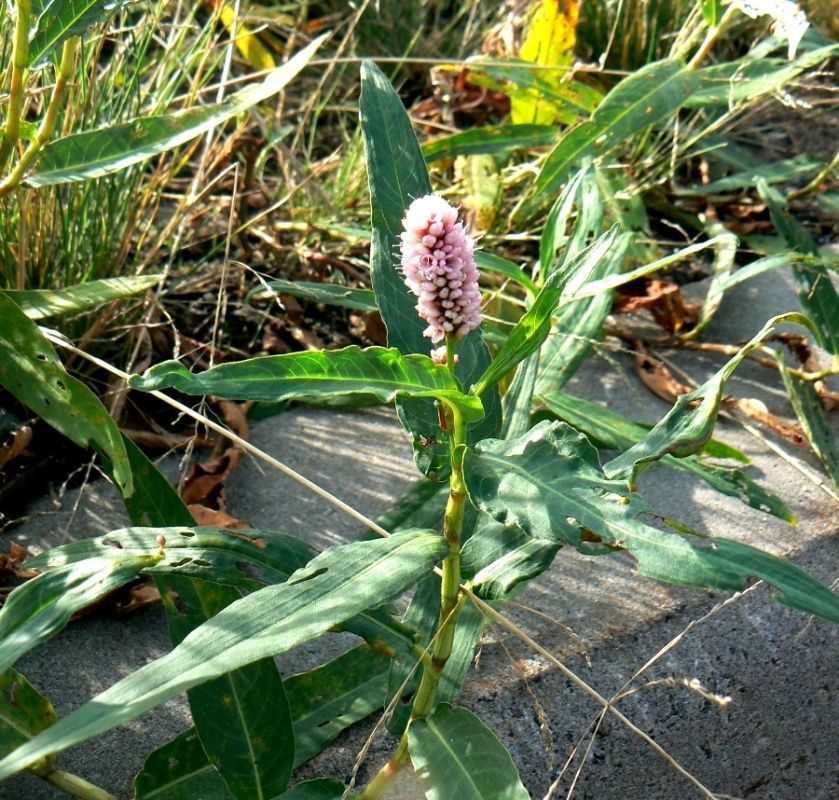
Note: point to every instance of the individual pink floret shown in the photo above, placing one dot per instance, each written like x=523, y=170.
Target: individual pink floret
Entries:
x=438, y=263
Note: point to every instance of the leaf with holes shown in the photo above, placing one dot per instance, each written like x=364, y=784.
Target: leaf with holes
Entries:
x=332, y=588
x=41, y=607
x=455, y=755
x=242, y=559
x=398, y=175
x=242, y=717
x=32, y=372
x=550, y=484
x=383, y=373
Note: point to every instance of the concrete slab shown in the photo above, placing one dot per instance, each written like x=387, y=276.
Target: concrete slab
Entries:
x=777, y=738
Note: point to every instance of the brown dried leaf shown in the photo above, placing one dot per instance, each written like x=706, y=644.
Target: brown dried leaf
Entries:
x=656, y=377
x=663, y=299
x=756, y=410
x=216, y=518
x=20, y=439
x=140, y=596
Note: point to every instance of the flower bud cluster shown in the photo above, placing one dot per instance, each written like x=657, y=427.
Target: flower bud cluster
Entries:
x=438, y=264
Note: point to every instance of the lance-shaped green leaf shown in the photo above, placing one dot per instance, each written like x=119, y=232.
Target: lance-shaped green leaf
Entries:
x=611, y=430
x=818, y=296
x=61, y=19
x=32, y=372
x=754, y=76
x=335, y=586
x=533, y=328
x=578, y=323
x=506, y=269
x=43, y=303
x=330, y=294
x=809, y=410
x=455, y=755
x=242, y=559
x=491, y=139
x=41, y=607
x=398, y=175
x=551, y=485
x=555, y=246
x=777, y=172
x=518, y=399
x=646, y=97
x=689, y=424
x=383, y=373
x=24, y=711
x=243, y=717
x=82, y=156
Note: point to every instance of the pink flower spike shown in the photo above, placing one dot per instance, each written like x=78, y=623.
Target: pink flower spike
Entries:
x=438, y=264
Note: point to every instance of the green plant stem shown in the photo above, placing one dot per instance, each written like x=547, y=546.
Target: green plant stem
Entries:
x=713, y=32
x=814, y=184
x=450, y=601
x=20, y=60
x=76, y=786
x=47, y=126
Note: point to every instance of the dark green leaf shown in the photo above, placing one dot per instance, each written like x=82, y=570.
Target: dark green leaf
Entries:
x=551, y=485
x=243, y=559
x=456, y=756
x=41, y=607
x=332, y=697
x=82, y=156
x=498, y=558
x=44, y=303
x=330, y=294
x=611, y=430
x=489, y=139
x=751, y=77
x=506, y=269
x=335, y=586
x=533, y=328
x=62, y=19
x=646, y=97
x=32, y=372
x=398, y=175
x=24, y=711
x=810, y=413
x=818, y=296
x=778, y=172
x=179, y=770
x=383, y=373
x=689, y=424
x=243, y=717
